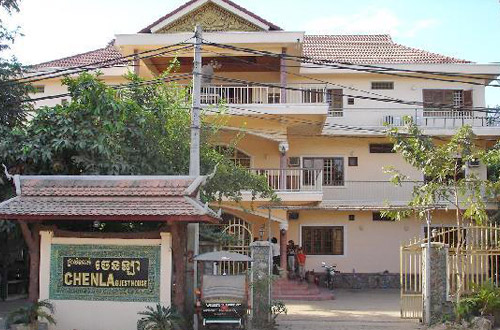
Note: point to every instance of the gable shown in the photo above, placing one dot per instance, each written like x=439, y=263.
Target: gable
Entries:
x=212, y=18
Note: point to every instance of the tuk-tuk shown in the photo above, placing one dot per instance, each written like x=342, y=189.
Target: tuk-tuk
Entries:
x=223, y=299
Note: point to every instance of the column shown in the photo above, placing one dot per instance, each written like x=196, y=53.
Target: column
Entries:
x=261, y=252
x=283, y=149
x=435, y=283
x=283, y=243
x=166, y=269
x=179, y=232
x=283, y=76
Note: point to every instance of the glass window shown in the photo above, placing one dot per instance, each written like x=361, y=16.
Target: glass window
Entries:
x=333, y=170
x=236, y=156
x=323, y=240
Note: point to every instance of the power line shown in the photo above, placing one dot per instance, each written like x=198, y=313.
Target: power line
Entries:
x=348, y=87
x=122, y=86
x=333, y=64
x=117, y=61
x=386, y=100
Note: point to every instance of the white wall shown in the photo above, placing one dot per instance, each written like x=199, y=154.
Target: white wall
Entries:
x=102, y=315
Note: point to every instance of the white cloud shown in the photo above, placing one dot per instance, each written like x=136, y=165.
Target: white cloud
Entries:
x=370, y=21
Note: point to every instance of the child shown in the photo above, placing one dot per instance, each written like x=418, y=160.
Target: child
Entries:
x=301, y=260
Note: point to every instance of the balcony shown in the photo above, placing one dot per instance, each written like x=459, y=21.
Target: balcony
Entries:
x=377, y=194
x=298, y=184
x=430, y=120
x=267, y=99
x=362, y=193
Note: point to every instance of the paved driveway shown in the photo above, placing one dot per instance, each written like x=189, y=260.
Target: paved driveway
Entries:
x=351, y=309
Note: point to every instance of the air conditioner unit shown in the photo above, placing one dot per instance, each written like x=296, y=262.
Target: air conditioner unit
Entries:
x=294, y=161
x=293, y=215
x=474, y=163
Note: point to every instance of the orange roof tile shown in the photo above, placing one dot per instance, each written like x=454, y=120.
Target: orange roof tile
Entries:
x=368, y=49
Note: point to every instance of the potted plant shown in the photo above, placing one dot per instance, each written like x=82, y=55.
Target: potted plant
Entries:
x=160, y=318
x=32, y=317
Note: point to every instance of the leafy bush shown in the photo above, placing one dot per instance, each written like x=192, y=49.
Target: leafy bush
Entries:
x=41, y=310
x=160, y=318
x=484, y=301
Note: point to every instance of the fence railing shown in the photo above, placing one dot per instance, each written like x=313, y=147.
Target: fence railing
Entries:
x=292, y=180
x=424, y=117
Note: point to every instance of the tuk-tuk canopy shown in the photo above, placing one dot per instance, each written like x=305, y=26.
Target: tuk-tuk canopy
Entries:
x=222, y=256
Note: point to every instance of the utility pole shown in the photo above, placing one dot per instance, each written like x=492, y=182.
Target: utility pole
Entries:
x=194, y=156
x=194, y=170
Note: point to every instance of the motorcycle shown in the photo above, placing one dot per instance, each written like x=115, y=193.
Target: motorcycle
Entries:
x=330, y=274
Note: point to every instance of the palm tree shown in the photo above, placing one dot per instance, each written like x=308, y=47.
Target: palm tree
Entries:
x=33, y=314
x=161, y=318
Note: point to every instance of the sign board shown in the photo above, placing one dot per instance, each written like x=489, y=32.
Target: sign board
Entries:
x=105, y=272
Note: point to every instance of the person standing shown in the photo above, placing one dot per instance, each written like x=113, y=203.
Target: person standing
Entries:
x=276, y=255
x=290, y=254
x=301, y=260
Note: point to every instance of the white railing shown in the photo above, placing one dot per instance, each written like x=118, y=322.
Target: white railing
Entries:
x=372, y=192
x=252, y=94
x=427, y=118
x=292, y=180
x=383, y=192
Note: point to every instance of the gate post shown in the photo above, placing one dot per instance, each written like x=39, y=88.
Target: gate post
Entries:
x=435, y=282
x=261, y=253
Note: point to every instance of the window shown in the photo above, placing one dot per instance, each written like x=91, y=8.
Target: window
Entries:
x=236, y=156
x=327, y=240
x=350, y=101
x=382, y=84
x=38, y=89
x=381, y=148
x=377, y=216
x=435, y=98
x=335, y=101
x=352, y=161
x=333, y=170
x=64, y=101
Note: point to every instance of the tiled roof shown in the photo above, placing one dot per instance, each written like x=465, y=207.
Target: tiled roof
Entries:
x=368, y=49
x=189, y=3
x=362, y=49
x=103, y=197
x=102, y=54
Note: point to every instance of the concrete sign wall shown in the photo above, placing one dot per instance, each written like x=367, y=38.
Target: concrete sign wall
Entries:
x=101, y=284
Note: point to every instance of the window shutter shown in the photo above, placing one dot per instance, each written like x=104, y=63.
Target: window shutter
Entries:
x=468, y=98
x=448, y=97
x=434, y=98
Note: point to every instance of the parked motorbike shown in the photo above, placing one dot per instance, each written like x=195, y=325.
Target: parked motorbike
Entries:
x=330, y=274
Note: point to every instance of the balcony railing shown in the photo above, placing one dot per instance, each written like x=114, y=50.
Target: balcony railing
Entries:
x=427, y=118
x=292, y=180
x=251, y=94
x=369, y=192
x=376, y=193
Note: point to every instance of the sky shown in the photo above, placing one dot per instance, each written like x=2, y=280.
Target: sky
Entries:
x=468, y=29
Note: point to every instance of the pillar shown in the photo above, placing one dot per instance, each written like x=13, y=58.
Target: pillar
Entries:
x=136, y=62
x=261, y=252
x=283, y=75
x=435, y=283
x=283, y=243
x=179, y=232
x=283, y=149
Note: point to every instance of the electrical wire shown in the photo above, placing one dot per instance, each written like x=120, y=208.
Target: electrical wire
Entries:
x=333, y=64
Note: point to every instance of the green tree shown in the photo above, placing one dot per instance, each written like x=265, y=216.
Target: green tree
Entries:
x=443, y=164
x=142, y=129
x=13, y=96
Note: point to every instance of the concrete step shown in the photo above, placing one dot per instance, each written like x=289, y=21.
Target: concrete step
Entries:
x=285, y=289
